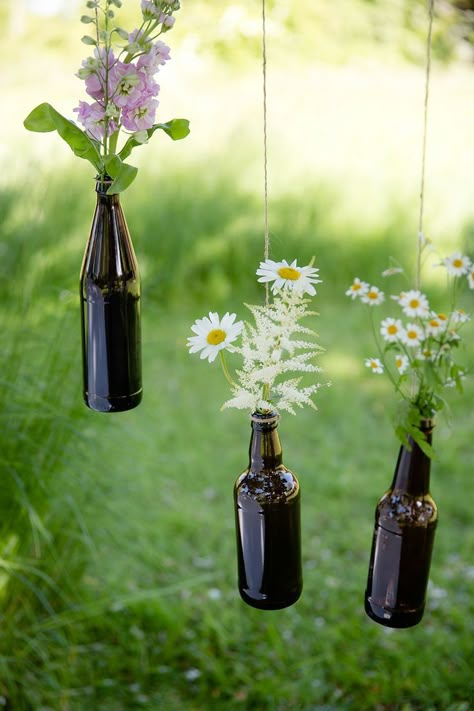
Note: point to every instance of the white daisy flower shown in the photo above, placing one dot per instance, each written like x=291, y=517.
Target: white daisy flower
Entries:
x=398, y=297
x=457, y=264
x=426, y=354
x=453, y=335
x=470, y=278
x=402, y=362
x=289, y=276
x=435, y=325
x=414, y=303
x=391, y=271
x=358, y=288
x=213, y=334
x=375, y=365
x=412, y=335
x=391, y=328
x=374, y=296
x=460, y=316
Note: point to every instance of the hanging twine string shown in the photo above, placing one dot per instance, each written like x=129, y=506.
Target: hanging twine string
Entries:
x=423, y=154
x=265, y=151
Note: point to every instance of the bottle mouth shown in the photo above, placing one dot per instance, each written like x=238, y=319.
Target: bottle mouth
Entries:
x=265, y=418
x=103, y=184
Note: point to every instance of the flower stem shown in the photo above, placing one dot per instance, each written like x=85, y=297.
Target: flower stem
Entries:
x=226, y=370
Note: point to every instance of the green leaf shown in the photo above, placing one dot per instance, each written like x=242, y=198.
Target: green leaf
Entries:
x=86, y=19
x=88, y=40
x=44, y=119
x=177, y=129
x=122, y=173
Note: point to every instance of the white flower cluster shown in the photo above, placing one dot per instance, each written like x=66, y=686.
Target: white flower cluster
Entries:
x=273, y=347
x=421, y=349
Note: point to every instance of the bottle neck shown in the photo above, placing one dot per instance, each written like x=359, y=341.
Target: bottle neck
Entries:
x=265, y=453
x=412, y=473
x=101, y=187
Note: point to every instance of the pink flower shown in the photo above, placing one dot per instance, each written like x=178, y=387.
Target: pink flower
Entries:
x=92, y=117
x=149, y=9
x=156, y=57
x=141, y=116
x=93, y=72
x=126, y=84
x=167, y=20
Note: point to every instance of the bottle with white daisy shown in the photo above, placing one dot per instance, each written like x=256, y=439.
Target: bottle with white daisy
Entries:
x=276, y=352
x=405, y=522
x=417, y=346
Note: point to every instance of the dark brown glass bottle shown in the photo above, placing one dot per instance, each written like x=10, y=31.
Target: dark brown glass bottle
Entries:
x=110, y=310
x=405, y=523
x=267, y=518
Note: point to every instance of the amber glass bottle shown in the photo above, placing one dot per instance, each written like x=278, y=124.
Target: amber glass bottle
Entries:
x=405, y=523
x=110, y=310
x=267, y=517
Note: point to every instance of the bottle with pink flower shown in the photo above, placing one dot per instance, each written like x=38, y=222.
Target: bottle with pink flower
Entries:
x=119, y=115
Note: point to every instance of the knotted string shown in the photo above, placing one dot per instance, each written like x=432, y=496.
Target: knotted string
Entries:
x=421, y=236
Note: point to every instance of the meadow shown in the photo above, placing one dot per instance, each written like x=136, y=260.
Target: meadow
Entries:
x=117, y=563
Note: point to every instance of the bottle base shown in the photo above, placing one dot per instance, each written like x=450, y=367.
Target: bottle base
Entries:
x=264, y=602
x=113, y=404
x=392, y=618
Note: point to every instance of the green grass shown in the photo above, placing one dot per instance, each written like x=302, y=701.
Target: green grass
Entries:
x=117, y=551
x=128, y=584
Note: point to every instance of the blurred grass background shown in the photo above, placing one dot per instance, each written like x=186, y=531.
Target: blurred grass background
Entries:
x=117, y=570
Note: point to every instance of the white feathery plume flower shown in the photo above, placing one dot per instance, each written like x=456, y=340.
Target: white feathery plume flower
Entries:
x=289, y=276
x=357, y=288
x=374, y=296
x=375, y=365
x=213, y=335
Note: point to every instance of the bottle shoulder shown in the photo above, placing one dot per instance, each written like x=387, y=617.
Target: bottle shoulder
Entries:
x=398, y=509
x=268, y=486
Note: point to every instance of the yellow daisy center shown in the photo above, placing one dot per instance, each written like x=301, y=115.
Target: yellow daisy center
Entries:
x=398, y=362
x=442, y=317
x=457, y=263
x=372, y=294
x=356, y=287
x=392, y=329
x=434, y=323
x=412, y=334
x=414, y=303
x=289, y=273
x=216, y=336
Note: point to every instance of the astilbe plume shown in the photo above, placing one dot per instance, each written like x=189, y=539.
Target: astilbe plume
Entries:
x=270, y=352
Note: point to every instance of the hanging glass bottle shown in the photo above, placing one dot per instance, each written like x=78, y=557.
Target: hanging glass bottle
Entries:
x=110, y=310
x=267, y=517
x=405, y=523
